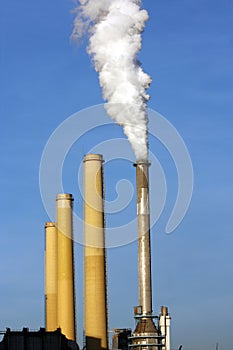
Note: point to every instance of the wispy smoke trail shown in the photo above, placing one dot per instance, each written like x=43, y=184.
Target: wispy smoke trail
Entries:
x=115, y=28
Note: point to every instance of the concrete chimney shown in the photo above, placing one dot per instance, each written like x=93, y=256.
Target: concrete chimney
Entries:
x=65, y=267
x=50, y=276
x=94, y=255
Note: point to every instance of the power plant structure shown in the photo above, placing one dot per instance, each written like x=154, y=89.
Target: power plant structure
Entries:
x=146, y=335
x=96, y=332
x=59, y=270
x=36, y=340
x=65, y=266
x=152, y=331
x=51, y=276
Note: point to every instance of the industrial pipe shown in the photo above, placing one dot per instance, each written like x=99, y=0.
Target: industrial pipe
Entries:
x=164, y=325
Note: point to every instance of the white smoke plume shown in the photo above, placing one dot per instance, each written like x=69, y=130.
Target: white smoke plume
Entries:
x=115, y=28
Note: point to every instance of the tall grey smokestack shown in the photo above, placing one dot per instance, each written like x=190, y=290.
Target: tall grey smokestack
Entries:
x=146, y=331
x=144, y=251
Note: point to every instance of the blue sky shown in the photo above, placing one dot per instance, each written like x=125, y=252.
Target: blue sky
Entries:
x=45, y=78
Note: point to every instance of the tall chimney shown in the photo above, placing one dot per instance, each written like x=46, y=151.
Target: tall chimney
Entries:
x=146, y=331
x=144, y=251
x=51, y=276
x=65, y=268
x=94, y=251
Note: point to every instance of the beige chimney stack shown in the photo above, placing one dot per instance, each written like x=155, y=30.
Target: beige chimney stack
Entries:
x=65, y=267
x=94, y=255
x=51, y=276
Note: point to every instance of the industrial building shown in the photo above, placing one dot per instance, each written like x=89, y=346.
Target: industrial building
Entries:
x=152, y=332
x=40, y=340
x=121, y=338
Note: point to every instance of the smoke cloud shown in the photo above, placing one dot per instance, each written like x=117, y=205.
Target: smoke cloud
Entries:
x=115, y=28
